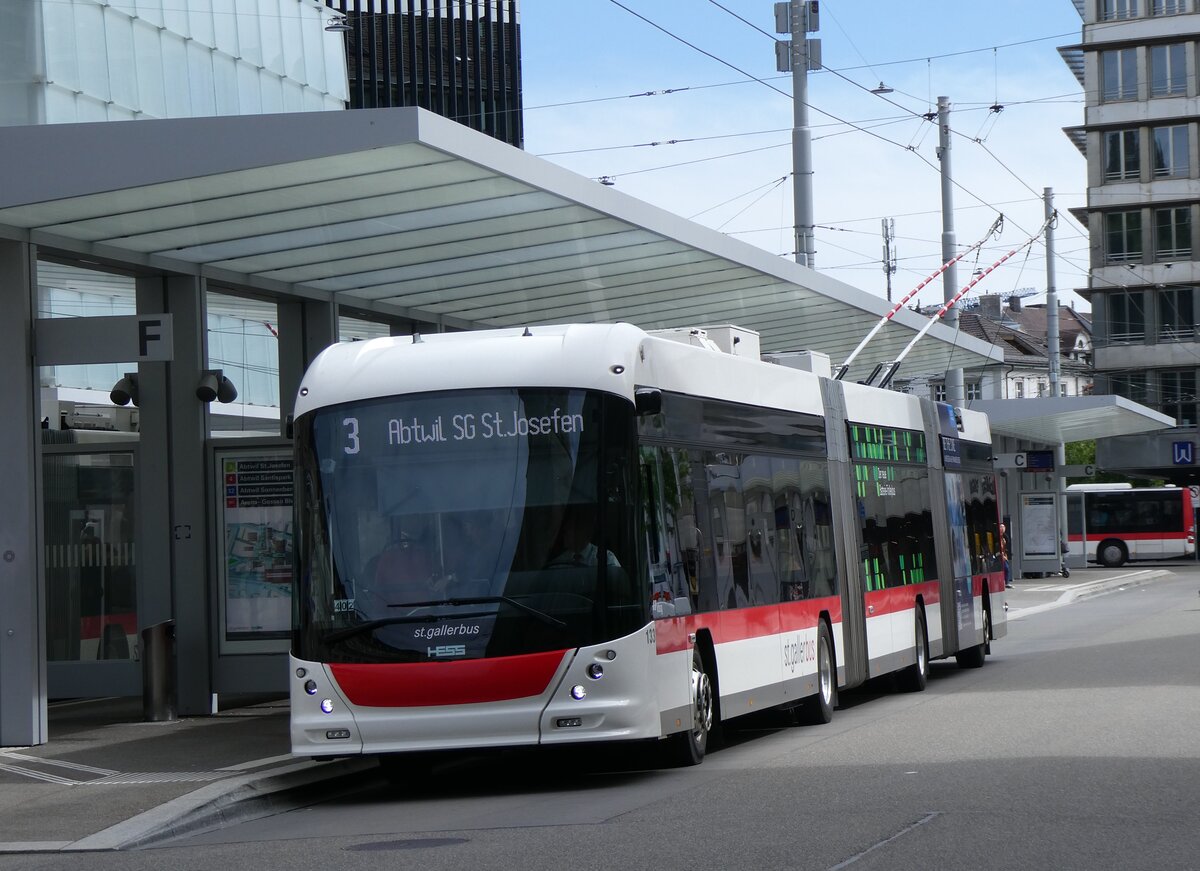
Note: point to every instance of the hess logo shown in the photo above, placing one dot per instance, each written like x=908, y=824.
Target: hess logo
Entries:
x=444, y=650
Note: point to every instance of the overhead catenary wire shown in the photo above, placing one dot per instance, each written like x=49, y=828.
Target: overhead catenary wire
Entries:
x=780, y=91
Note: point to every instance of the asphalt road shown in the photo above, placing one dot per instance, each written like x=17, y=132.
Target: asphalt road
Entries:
x=1075, y=747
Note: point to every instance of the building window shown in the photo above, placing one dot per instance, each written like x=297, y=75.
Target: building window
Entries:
x=1175, y=319
x=1173, y=233
x=1120, y=155
x=939, y=392
x=1113, y=10
x=1123, y=236
x=1127, y=316
x=1171, y=151
x=1120, y=74
x=1131, y=385
x=1168, y=7
x=1062, y=388
x=1019, y=386
x=1168, y=70
x=1178, y=391
x=974, y=390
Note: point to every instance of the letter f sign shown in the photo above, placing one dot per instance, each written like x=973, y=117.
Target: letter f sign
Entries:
x=154, y=338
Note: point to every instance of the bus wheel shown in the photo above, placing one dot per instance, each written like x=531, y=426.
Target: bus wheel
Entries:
x=1111, y=553
x=973, y=657
x=914, y=678
x=819, y=709
x=691, y=744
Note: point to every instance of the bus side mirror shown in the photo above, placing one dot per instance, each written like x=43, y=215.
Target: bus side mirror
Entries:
x=647, y=400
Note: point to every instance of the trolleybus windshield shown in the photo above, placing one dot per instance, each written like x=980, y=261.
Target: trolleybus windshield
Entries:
x=463, y=525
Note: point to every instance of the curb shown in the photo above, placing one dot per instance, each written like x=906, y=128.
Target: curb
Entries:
x=1093, y=589
x=224, y=803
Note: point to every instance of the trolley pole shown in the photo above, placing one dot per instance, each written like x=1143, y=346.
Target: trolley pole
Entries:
x=954, y=377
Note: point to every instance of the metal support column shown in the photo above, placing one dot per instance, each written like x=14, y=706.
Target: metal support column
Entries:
x=173, y=489
x=306, y=327
x=23, y=693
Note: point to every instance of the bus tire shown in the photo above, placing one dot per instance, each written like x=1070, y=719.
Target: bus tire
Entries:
x=818, y=710
x=914, y=678
x=690, y=745
x=1111, y=553
x=974, y=657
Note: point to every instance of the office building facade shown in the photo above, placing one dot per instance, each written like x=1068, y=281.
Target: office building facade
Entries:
x=1137, y=62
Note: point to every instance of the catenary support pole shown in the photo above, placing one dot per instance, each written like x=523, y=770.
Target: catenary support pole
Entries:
x=954, y=376
x=802, y=171
x=1052, y=344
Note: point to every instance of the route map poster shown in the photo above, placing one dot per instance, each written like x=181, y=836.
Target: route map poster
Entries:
x=257, y=544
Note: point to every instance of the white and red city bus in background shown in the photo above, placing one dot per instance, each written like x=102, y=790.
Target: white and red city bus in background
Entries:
x=1114, y=523
x=586, y=533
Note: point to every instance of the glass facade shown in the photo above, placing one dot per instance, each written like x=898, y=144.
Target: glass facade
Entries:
x=91, y=570
x=124, y=60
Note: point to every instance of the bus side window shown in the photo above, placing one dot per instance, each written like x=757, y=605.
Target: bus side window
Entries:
x=674, y=542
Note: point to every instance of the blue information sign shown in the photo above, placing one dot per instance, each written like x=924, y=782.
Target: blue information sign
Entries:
x=1183, y=453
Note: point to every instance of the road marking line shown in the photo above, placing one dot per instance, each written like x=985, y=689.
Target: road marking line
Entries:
x=259, y=763
x=928, y=818
x=74, y=766
x=38, y=775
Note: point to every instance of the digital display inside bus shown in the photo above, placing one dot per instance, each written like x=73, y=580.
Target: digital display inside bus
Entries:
x=891, y=482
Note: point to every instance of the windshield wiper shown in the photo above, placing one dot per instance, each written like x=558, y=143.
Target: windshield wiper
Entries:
x=486, y=600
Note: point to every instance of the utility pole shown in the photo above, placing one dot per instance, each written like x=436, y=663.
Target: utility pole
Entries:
x=889, y=253
x=1052, y=343
x=954, y=377
x=1054, y=360
x=799, y=55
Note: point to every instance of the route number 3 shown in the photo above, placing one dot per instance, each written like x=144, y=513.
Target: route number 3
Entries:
x=352, y=445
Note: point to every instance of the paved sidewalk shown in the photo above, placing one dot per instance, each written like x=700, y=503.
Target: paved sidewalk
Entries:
x=106, y=780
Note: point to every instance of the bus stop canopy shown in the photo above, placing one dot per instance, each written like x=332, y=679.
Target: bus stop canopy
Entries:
x=1065, y=419
x=407, y=214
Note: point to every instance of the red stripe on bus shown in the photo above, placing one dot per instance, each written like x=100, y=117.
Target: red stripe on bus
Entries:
x=1170, y=535
x=740, y=624
x=424, y=684
x=896, y=599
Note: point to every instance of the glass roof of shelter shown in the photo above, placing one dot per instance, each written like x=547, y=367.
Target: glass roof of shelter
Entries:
x=408, y=214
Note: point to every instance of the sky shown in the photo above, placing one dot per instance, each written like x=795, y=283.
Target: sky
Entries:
x=584, y=63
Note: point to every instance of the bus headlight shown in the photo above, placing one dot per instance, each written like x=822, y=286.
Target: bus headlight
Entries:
x=578, y=693
x=327, y=705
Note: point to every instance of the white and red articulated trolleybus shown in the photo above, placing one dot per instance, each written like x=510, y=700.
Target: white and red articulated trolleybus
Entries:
x=591, y=533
